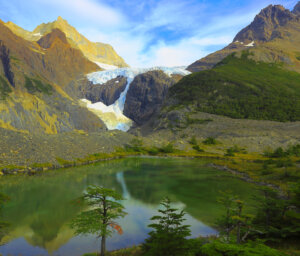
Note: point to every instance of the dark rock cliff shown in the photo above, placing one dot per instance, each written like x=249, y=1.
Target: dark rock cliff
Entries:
x=146, y=95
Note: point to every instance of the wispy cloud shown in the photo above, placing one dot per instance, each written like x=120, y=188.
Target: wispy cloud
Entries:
x=146, y=32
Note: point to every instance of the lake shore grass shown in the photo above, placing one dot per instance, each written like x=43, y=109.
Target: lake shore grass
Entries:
x=278, y=172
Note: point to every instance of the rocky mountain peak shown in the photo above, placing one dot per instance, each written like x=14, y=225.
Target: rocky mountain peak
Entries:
x=47, y=40
x=266, y=24
x=296, y=9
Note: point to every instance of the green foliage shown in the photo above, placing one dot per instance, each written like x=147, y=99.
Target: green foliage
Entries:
x=243, y=88
x=235, y=149
x=104, y=209
x=135, y=145
x=218, y=248
x=35, y=85
x=276, y=217
x=168, y=148
x=190, y=121
x=169, y=235
x=193, y=141
x=197, y=148
x=279, y=152
x=210, y=141
x=234, y=220
x=4, y=88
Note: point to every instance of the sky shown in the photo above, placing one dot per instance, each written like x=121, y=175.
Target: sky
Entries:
x=146, y=32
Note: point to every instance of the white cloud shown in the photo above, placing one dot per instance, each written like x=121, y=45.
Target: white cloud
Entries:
x=165, y=32
x=88, y=10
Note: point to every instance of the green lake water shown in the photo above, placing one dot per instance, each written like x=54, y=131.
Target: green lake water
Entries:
x=42, y=206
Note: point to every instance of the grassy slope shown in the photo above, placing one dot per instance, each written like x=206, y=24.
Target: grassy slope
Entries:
x=243, y=88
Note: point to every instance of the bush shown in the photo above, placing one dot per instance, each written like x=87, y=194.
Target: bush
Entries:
x=217, y=248
x=135, y=145
x=169, y=148
x=229, y=152
x=153, y=151
x=197, y=148
x=235, y=149
x=280, y=152
x=210, y=141
x=193, y=141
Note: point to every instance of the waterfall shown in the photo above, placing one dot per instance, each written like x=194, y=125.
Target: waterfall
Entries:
x=116, y=118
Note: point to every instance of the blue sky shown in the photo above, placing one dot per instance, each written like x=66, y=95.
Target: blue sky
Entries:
x=146, y=32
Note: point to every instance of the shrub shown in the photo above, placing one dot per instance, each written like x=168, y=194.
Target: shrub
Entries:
x=217, y=248
x=169, y=148
x=197, y=148
x=135, y=145
x=210, y=141
x=193, y=141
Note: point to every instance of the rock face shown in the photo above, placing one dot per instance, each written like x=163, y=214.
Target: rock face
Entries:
x=146, y=95
x=273, y=36
x=96, y=52
x=296, y=9
x=33, y=79
x=107, y=93
x=266, y=24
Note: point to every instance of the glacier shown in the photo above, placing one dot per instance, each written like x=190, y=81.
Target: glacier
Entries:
x=112, y=115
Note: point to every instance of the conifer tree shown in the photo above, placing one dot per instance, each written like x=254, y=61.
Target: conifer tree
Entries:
x=169, y=235
x=100, y=218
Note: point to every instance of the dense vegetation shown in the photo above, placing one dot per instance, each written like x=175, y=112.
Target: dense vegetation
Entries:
x=34, y=85
x=4, y=88
x=239, y=87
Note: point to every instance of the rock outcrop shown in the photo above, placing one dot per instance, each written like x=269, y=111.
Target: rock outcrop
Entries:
x=33, y=79
x=266, y=25
x=273, y=36
x=107, y=93
x=146, y=95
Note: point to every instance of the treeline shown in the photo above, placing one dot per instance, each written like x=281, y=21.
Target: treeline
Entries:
x=239, y=87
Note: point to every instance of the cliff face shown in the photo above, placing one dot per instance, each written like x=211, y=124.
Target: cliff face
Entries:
x=273, y=36
x=266, y=25
x=96, y=52
x=33, y=81
x=107, y=93
x=146, y=95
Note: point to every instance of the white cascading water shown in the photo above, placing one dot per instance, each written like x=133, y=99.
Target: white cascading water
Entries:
x=112, y=115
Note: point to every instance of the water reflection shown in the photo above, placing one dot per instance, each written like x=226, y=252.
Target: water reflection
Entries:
x=42, y=206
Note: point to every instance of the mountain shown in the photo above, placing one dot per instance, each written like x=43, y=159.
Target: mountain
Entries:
x=34, y=77
x=273, y=36
x=95, y=52
x=255, y=77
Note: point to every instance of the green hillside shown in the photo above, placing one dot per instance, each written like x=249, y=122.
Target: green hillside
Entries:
x=239, y=87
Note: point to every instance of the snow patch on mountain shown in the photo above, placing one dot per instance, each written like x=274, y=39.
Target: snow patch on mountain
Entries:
x=251, y=44
x=116, y=109
x=106, y=66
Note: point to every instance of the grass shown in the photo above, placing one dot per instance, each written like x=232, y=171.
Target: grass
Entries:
x=243, y=88
x=4, y=88
x=34, y=85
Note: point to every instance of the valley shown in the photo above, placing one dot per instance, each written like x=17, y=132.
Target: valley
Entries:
x=74, y=114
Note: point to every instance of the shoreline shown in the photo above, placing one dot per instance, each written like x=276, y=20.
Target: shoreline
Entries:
x=31, y=170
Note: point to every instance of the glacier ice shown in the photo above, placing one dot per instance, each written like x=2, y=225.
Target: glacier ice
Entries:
x=118, y=120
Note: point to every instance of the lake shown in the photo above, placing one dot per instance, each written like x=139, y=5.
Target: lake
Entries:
x=41, y=206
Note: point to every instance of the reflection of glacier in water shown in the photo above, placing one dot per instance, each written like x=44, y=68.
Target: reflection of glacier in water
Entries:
x=112, y=115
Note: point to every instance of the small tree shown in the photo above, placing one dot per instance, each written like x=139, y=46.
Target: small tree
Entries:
x=3, y=225
x=234, y=219
x=100, y=218
x=169, y=235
